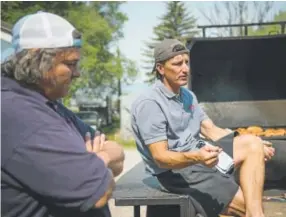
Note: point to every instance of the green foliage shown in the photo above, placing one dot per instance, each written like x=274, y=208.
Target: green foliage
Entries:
x=113, y=128
x=130, y=143
x=177, y=23
x=270, y=30
x=11, y=11
x=101, y=25
x=113, y=135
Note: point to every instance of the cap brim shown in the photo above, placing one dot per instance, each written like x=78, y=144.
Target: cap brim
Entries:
x=9, y=52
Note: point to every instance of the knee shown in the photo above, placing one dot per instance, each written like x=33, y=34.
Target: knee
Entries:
x=247, y=146
x=253, y=144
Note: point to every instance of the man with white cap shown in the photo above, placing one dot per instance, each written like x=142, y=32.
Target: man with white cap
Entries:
x=49, y=167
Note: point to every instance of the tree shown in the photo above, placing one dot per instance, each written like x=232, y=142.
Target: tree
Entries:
x=11, y=11
x=236, y=12
x=101, y=26
x=101, y=68
x=273, y=29
x=177, y=23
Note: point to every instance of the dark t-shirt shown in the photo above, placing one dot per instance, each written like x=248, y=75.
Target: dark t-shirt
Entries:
x=81, y=127
x=45, y=168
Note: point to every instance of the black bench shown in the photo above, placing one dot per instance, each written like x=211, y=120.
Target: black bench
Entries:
x=136, y=188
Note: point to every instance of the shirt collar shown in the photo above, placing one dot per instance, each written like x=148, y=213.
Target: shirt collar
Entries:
x=8, y=84
x=168, y=93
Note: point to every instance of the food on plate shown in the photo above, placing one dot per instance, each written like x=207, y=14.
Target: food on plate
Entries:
x=254, y=130
x=242, y=131
x=281, y=130
x=259, y=131
x=275, y=132
x=269, y=132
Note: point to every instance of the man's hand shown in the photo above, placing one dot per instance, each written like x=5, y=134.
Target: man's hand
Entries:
x=96, y=145
x=269, y=151
x=110, y=152
x=208, y=155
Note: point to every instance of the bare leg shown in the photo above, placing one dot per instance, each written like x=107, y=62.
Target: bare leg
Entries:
x=249, y=153
x=236, y=206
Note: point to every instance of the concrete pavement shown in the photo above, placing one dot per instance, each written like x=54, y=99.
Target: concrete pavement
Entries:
x=132, y=157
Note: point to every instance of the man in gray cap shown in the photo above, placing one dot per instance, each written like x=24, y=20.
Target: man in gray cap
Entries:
x=167, y=122
x=49, y=165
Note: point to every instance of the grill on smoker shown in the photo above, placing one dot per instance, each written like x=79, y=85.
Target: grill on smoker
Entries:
x=241, y=82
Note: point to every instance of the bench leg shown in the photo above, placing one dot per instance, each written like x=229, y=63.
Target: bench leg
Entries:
x=187, y=209
x=136, y=211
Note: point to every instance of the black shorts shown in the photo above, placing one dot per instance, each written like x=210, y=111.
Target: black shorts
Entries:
x=209, y=187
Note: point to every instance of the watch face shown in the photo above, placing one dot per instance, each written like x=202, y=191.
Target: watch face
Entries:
x=201, y=144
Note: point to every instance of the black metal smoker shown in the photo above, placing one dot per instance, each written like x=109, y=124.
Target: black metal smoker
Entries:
x=241, y=82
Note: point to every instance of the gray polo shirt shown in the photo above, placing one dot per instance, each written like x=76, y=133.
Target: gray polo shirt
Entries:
x=45, y=168
x=159, y=115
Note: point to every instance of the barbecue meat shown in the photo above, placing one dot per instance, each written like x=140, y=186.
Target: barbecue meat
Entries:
x=242, y=131
x=274, y=132
x=254, y=129
x=259, y=131
x=269, y=132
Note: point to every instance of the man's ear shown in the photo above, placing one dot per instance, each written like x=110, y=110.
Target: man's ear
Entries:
x=160, y=68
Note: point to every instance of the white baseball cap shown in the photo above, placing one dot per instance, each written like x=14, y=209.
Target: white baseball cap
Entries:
x=41, y=30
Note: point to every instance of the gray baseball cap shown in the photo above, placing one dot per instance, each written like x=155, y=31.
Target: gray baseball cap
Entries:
x=167, y=49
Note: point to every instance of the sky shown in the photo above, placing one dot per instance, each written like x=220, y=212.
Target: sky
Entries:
x=143, y=17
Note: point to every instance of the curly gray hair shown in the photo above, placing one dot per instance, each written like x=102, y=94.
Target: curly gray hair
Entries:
x=29, y=66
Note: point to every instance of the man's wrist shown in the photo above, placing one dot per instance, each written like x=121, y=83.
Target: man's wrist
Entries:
x=193, y=156
x=227, y=130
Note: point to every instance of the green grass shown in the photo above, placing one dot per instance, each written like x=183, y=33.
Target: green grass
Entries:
x=113, y=128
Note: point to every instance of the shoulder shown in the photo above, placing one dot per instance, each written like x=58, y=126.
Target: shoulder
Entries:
x=148, y=100
x=189, y=95
x=18, y=109
x=81, y=126
x=21, y=117
x=187, y=91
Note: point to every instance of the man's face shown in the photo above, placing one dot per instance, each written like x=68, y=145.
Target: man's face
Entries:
x=176, y=70
x=62, y=74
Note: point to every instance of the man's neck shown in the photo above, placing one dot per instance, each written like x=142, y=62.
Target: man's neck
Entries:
x=47, y=92
x=174, y=88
